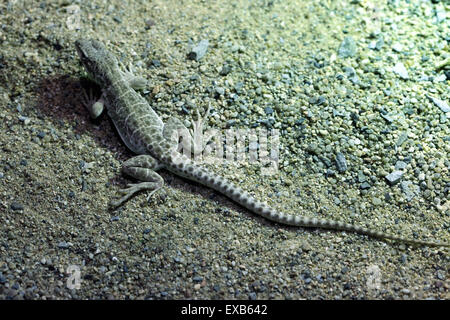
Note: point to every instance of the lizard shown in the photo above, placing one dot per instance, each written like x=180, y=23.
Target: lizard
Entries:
x=153, y=142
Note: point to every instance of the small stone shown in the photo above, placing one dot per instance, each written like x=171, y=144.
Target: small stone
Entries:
x=406, y=291
x=387, y=118
x=64, y=245
x=226, y=69
x=376, y=44
x=361, y=177
x=16, y=206
x=149, y=23
x=365, y=185
x=11, y=293
x=219, y=91
x=268, y=110
x=197, y=279
x=197, y=287
x=347, y=48
x=403, y=258
x=25, y=120
x=351, y=74
x=397, y=47
x=409, y=189
x=400, y=165
x=199, y=50
x=252, y=296
x=341, y=162
x=443, y=105
x=376, y=201
x=178, y=260
x=394, y=177
x=401, y=71
x=156, y=63
x=440, y=275
x=401, y=139
x=41, y=134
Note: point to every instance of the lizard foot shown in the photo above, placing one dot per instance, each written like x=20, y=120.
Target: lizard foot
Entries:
x=198, y=138
x=136, y=82
x=132, y=189
x=95, y=106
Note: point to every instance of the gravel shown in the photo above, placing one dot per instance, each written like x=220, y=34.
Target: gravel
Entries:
x=347, y=123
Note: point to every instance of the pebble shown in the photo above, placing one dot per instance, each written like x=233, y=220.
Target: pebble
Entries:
x=409, y=189
x=387, y=118
x=397, y=47
x=443, y=105
x=64, y=245
x=268, y=110
x=365, y=185
x=376, y=44
x=406, y=291
x=219, y=91
x=376, y=201
x=41, y=134
x=226, y=69
x=197, y=52
x=351, y=74
x=16, y=206
x=400, y=70
x=400, y=165
x=394, y=177
x=402, y=139
x=25, y=120
x=347, y=48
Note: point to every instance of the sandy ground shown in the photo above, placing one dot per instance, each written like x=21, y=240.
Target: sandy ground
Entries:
x=273, y=63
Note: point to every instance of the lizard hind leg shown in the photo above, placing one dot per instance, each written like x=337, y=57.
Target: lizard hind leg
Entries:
x=194, y=141
x=142, y=168
x=199, y=138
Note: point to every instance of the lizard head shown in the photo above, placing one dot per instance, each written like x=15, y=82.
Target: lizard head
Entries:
x=95, y=58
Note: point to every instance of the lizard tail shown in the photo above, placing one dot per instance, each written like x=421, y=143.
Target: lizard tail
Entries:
x=229, y=189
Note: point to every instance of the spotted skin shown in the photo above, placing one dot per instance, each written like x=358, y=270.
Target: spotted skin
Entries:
x=144, y=133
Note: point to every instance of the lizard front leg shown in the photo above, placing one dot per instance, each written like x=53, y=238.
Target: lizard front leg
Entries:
x=143, y=168
x=94, y=106
x=136, y=82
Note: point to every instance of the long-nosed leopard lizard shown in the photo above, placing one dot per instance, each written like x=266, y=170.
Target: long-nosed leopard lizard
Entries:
x=144, y=133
